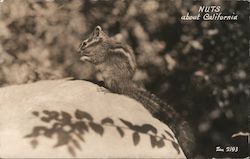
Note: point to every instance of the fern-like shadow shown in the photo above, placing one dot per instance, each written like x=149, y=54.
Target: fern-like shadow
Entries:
x=70, y=130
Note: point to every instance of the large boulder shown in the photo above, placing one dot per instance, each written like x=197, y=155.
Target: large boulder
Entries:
x=73, y=118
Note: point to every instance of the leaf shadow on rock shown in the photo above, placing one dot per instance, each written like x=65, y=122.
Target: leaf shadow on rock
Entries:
x=70, y=130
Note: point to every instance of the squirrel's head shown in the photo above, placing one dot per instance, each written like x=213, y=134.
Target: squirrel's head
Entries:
x=88, y=47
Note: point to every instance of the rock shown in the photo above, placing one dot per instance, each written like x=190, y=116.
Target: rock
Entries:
x=65, y=119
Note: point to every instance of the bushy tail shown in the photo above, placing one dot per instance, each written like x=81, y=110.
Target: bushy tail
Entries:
x=169, y=116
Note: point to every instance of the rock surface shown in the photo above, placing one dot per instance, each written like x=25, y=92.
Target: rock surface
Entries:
x=65, y=119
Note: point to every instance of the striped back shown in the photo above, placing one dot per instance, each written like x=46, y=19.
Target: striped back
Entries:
x=126, y=51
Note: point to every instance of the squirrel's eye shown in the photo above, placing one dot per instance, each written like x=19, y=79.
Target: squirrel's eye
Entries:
x=83, y=45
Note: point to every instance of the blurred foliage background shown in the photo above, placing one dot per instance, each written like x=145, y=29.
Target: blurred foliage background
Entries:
x=199, y=67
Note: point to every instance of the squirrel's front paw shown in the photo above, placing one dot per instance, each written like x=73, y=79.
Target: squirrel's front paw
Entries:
x=85, y=58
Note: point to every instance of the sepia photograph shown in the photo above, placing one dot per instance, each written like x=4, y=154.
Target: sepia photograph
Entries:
x=124, y=79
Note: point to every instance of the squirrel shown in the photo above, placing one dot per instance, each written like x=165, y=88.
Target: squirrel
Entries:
x=117, y=64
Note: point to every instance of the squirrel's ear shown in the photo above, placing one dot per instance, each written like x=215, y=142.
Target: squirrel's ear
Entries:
x=97, y=31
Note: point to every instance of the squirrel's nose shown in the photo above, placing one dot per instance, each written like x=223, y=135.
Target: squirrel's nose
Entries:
x=83, y=45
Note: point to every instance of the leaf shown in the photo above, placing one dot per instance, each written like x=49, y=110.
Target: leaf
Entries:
x=138, y=128
x=81, y=115
x=120, y=131
x=63, y=138
x=77, y=145
x=156, y=143
x=163, y=136
x=49, y=133
x=153, y=141
x=169, y=134
x=136, y=138
x=147, y=127
x=127, y=123
x=66, y=117
x=176, y=146
x=107, y=121
x=46, y=119
x=35, y=113
x=160, y=143
x=37, y=131
x=46, y=112
x=34, y=143
x=57, y=126
x=51, y=114
x=71, y=151
x=97, y=128
x=80, y=137
x=54, y=115
x=29, y=135
x=81, y=126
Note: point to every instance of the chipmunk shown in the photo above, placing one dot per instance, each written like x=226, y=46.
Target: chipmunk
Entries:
x=117, y=65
